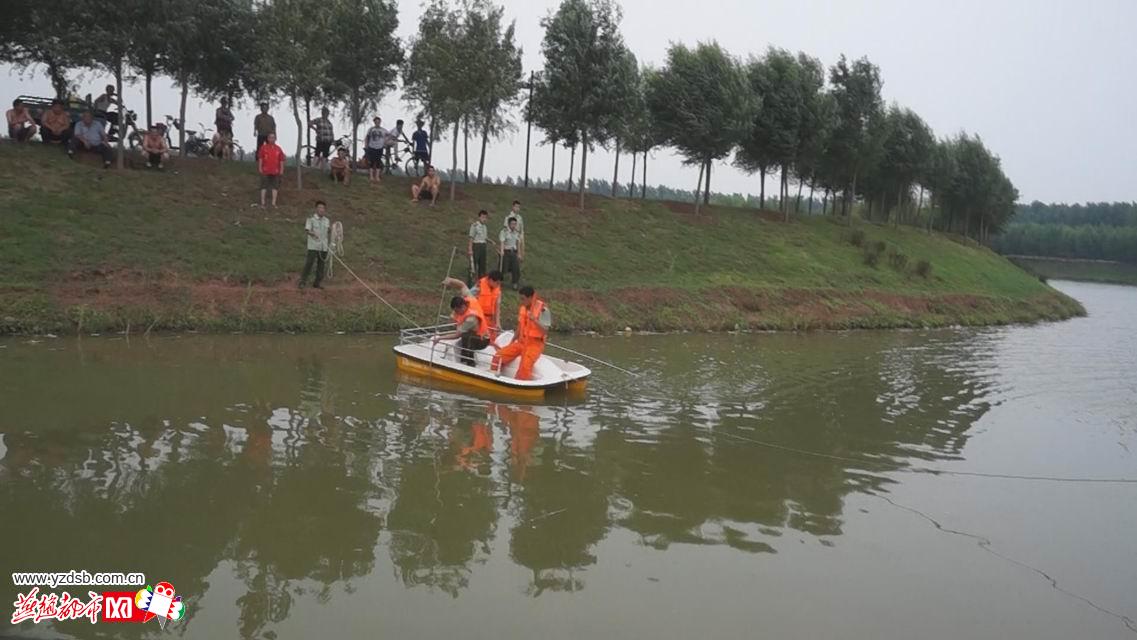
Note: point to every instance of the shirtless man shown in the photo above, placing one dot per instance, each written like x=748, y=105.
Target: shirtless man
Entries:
x=56, y=123
x=21, y=126
x=154, y=148
x=428, y=187
x=341, y=169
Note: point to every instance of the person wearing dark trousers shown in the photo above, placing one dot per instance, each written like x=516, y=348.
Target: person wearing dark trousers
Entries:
x=476, y=246
x=511, y=252
x=90, y=136
x=471, y=328
x=316, y=227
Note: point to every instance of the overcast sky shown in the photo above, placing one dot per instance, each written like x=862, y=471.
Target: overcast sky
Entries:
x=1048, y=85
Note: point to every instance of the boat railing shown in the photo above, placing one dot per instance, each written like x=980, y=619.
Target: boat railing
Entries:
x=422, y=334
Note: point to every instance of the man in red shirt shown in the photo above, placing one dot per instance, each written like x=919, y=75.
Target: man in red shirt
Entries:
x=270, y=162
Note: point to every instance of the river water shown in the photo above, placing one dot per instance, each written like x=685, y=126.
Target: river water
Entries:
x=778, y=485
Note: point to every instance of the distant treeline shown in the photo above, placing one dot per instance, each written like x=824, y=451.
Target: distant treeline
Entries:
x=1095, y=231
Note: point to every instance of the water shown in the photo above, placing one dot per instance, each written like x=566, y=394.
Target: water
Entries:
x=774, y=485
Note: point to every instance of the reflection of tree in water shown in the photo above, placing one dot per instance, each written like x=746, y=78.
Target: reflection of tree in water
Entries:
x=443, y=518
x=564, y=506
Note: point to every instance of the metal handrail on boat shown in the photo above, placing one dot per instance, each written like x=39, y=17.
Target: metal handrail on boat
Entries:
x=422, y=334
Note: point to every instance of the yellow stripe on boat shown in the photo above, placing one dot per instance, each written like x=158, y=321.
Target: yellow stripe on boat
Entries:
x=410, y=365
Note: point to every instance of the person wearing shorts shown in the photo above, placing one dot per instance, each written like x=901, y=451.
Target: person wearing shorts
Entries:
x=427, y=188
x=21, y=126
x=421, y=141
x=376, y=142
x=325, y=137
x=270, y=163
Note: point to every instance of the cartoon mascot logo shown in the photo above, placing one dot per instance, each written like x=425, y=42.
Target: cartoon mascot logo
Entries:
x=159, y=602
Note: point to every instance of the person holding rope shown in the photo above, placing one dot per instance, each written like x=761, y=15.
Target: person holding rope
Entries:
x=533, y=323
x=472, y=329
x=316, y=227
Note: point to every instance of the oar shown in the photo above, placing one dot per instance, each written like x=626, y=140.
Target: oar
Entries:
x=453, y=251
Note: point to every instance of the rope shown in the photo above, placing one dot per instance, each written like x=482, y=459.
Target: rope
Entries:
x=585, y=355
x=368, y=287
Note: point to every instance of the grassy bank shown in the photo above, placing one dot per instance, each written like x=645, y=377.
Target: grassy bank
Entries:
x=91, y=250
x=1082, y=270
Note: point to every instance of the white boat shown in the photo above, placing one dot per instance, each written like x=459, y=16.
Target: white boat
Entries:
x=418, y=354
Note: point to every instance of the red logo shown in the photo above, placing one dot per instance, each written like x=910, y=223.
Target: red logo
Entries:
x=118, y=606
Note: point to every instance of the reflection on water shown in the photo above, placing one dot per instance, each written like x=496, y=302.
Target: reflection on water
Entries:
x=288, y=471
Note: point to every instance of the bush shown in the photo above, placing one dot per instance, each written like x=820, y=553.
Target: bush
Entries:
x=896, y=259
x=924, y=269
x=870, y=257
x=857, y=238
x=879, y=246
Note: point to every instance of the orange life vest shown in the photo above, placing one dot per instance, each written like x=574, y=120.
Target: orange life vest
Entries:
x=488, y=298
x=527, y=327
x=473, y=309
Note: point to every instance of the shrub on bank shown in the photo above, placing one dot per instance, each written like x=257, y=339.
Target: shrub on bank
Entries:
x=924, y=269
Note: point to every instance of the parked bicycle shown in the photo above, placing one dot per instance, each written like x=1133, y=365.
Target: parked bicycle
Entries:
x=344, y=142
x=416, y=165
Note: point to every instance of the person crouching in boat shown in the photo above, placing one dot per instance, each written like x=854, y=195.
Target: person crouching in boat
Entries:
x=533, y=322
x=473, y=332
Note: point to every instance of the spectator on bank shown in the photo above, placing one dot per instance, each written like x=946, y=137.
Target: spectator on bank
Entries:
x=476, y=244
x=325, y=136
x=154, y=148
x=341, y=168
x=316, y=228
x=223, y=119
x=90, y=135
x=221, y=145
x=427, y=188
x=55, y=123
x=373, y=152
x=270, y=163
x=511, y=251
x=420, y=139
x=263, y=125
x=21, y=125
x=394, y=137
x=103, y=104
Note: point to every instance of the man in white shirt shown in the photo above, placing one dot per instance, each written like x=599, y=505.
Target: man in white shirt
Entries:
x=316, y=227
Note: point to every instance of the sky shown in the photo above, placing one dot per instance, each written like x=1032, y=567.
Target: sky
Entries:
x=1047, y=84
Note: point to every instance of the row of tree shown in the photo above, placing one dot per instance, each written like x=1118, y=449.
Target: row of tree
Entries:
x=777, y=114
x=1094, y=242
x=1114, y=214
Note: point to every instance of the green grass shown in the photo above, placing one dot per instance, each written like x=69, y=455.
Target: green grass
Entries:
x=1083, y=270
x=162, y=250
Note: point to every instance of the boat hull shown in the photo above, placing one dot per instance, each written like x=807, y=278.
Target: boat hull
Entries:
x=510, y=386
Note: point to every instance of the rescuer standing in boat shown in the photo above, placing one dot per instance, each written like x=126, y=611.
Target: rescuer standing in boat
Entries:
x=473, y=330
x=533, y=322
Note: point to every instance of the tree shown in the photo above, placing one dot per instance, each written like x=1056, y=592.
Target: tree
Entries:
x=496, y=69
x=436, y=75
x=107, y=43
x=362, y=74
x=292, y=57
x=778, y=127
x=629, y=100
x=702, y=105
x=583, y=51
x=158, y=21
x=856, y=94
x=42, y=32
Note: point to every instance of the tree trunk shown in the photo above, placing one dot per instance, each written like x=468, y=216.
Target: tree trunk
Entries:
x=299, y=143
x=572, y=166
x=643, y=182
x=58, y=78
x=528, y=127
x=811, y=185
x=482, y=159
x=433, y=136
x=182, y=116
x=553, y=168
x=920, y=206
x=616, y=171
x=899, y=201
x=466, y=150
x=121, y=115
x=762, y=188
x=149, y=105
x=632, y=184
x=583, y=168
x=699, y=185
x=849, y=221
x=797, y=203
x=454, y=164
x=307, y=129
x=707, y=184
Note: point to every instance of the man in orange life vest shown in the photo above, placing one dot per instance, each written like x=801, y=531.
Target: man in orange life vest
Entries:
x=533, y=322
x=488, y=293
x=473, y=332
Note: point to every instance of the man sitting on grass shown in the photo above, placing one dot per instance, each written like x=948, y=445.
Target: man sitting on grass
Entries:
x=341, y=168
x=56, y=123
x=21, y=126
x=90, y=136
x=154, y=147
x=427, y=188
